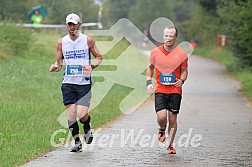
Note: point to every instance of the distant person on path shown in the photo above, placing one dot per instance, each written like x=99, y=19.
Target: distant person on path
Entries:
x=75, y=48
x=170, y=64
x=193, y=44
x=145, y=39
x=37, y=19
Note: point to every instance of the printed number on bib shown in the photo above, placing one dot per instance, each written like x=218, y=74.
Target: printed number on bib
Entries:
x=167, y=79
x=74, y=70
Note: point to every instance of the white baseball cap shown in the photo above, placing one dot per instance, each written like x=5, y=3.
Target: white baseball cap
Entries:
x=73, y=18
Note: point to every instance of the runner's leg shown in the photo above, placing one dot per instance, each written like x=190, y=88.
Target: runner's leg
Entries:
x=162, y=119
x=72, y=122
x=82, y=112
x=172, y=128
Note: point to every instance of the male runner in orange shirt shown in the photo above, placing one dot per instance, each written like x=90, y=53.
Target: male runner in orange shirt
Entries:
x=170, y=64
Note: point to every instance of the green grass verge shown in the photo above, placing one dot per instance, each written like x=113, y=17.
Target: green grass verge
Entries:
x=31, y=102
x=233, y=67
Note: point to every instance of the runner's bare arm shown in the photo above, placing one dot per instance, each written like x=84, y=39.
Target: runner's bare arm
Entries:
x=57, y=65
x=183, y=76
x=149, y=71
x=149, y=75
x=95, y=52
x=184, y=73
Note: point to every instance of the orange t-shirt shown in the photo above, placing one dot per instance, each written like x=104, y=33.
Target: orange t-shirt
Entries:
x=168, y=63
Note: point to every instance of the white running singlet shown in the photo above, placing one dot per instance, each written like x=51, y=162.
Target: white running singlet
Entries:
x=76, y=55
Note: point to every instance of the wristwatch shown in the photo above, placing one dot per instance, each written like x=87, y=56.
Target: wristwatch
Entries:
x=92, y=66
x=183, y=81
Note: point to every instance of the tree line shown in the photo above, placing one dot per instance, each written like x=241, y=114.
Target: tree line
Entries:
x=197, y=20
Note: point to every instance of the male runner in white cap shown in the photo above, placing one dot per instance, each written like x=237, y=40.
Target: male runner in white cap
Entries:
x=76, y=48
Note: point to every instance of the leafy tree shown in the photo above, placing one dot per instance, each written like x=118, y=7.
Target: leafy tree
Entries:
x=146, y=11
x=202, y=28
x=58, y=10
x=236, y=20
x=209, y=6
x=113, y=10
x=16, y=11
x=183, y=12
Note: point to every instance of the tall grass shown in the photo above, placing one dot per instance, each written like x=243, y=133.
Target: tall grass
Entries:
x=14, y=40
x=31, y=102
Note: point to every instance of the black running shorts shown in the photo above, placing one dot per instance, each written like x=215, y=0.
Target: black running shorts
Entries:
x=170, y=102
x=76, y=94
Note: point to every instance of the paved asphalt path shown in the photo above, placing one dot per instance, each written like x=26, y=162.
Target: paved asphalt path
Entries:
x=214, y=129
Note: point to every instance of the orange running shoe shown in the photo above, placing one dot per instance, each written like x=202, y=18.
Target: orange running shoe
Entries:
x=171, y=150
x=161, y=135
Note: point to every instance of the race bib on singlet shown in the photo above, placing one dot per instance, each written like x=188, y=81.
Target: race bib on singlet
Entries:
x=74, y=70
x=167, y=79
